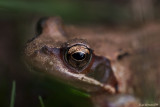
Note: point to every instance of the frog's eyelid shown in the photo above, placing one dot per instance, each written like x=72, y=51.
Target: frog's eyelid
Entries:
x=90, y=50
x=82, y=44
x=76, y=41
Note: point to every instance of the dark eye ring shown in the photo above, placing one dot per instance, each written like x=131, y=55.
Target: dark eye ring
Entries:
x=78, y=56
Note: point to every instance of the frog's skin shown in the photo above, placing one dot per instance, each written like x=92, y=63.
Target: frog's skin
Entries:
x=102, y=73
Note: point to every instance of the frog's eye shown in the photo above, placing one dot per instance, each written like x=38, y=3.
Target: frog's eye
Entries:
x=78, y=56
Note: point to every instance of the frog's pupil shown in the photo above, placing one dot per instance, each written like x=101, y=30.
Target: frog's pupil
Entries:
x=78, y=55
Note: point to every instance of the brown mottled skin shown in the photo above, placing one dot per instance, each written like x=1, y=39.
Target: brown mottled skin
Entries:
x=106, y=73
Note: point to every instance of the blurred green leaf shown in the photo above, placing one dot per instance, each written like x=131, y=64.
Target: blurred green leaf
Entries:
x=13, y=94
x=70, y=10
x=41, y=101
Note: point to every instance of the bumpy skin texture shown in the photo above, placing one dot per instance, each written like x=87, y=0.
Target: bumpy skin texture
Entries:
x=46, y=52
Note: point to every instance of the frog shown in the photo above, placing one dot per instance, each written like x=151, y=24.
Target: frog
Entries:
x=89, y=60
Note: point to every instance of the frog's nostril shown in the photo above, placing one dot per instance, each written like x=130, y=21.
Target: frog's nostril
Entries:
x=78, y=56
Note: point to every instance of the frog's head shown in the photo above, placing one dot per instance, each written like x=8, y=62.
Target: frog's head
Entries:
x=68, y=59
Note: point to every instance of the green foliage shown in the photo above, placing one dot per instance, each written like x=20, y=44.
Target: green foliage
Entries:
x=72, y=11
x=41, y=101
x=13, y=94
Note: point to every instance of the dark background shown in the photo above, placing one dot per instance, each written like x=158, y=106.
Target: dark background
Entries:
x=17, y=25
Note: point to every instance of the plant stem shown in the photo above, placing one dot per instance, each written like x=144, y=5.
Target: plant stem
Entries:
x=41, y=101
x=13, y=94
